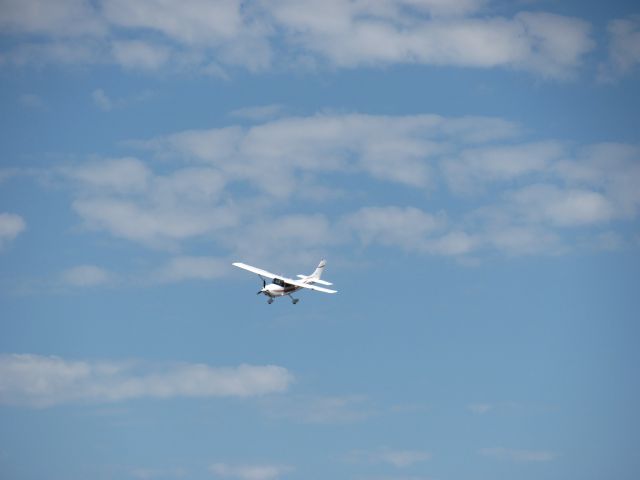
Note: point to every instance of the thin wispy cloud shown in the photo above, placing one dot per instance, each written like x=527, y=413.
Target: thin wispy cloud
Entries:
x=11, y=225
x=86, y=276
x=250, y=471
x=395, y=458
x=515, y=455
x=44, y=381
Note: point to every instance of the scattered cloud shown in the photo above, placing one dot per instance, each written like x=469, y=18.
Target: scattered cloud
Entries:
x=191, y=268
x=32, y=101
x=11, y=225
x=153, y=473
x=321, y=409
x=396, y=458
x=102, y=101
x=86, y=276
x=480, y=408
x=258, y=113
x=624, y=48
x=261, y=35
x=514, y=455
x=41, y=381
x=243, y=187
x=250, y=472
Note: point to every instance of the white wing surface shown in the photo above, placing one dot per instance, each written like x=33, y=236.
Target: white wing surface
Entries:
x=290, y=281
x=256, y=270
x=298, y=283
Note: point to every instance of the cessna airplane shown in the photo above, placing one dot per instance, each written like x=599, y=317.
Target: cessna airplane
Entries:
x=282, y=286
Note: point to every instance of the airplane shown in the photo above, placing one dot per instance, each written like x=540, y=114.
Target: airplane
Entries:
x=282, y=286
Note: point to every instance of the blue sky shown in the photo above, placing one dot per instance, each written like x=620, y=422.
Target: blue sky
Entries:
x=470, y=170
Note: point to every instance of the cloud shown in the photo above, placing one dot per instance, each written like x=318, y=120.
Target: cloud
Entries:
x=137, y=54
x=58, y=18
x=262, y=112
x=40, y=381
x=408, y=227
x=273, y=155
x=314, y=409
x=32, y=101
x=397, y=458
x=191, y=268
x=562, y=207
x=101, y=99
x=86, y=276
x=351, y=34
x=473, y=169
x=254, y=190
x=151, y=473
x=624, y=48
x=513, y=455
x=121, y=175
x=480, y=408
x=281, y=34
x=11, y=226
x=250, y=472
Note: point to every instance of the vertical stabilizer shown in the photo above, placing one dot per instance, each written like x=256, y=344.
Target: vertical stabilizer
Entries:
x=317, y=273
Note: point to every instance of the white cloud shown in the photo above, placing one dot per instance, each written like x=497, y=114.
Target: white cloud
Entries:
x=315, y=409
x=102, y=100
x=562, y=207
x=473, y=169
x=350, y=34
x=137, y=54
x=31, y=100
x=154, y=225
x=253, y=189
x=480, y=408
x=407, y=227
x=191, y=268
x=151, y=473
x=624, y=48
x=257, y=113
x=119, y=175
x=250, y=472
x=515, y=455
x=262, y=34
x=11, y=226
x=274, y=154
x=397, y=458
x=190, y=21
x=34, y=380
x=86, y=276
x=59, y=18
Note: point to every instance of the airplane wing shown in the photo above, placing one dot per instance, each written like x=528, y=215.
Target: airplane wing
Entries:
x=316, y=280
x=256, y=270
x=290, y=281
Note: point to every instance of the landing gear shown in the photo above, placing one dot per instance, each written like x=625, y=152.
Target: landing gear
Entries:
x=294, y=300
x=270, y=301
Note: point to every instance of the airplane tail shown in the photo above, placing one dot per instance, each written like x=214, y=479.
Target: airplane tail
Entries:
x=317, y=273
x=315, y=276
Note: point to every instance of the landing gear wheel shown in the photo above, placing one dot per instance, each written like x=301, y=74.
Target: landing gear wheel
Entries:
x=296, y=300
x=270, y=301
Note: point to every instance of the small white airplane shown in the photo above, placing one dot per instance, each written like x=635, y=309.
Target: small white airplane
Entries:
x=282, y=286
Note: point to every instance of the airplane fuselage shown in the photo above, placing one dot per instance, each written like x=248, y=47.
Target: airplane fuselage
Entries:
x=279, y=289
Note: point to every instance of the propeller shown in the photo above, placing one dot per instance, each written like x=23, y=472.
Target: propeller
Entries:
x=264, y=284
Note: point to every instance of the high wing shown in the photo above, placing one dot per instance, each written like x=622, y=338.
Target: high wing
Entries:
x=259, y=271
x=297, y=283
